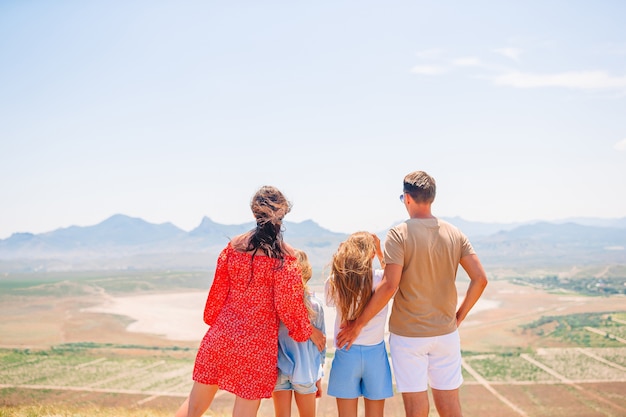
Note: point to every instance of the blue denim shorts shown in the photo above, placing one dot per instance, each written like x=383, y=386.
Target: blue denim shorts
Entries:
x=283, y=383
x=361, y=371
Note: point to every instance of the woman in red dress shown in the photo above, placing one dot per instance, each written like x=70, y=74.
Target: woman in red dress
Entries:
x=257, y=284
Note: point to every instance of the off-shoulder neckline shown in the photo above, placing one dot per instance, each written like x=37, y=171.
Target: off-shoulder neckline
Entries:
x=258, y=255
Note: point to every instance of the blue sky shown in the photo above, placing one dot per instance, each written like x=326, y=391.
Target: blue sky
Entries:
x=171, y=111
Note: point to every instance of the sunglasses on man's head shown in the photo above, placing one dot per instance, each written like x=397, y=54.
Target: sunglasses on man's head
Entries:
x=402, y=197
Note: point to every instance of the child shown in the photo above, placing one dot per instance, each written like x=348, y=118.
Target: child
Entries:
x=364, y=369
x=257, y=284
x=300, y=363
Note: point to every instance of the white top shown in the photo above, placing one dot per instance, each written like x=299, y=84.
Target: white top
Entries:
x=374, y=331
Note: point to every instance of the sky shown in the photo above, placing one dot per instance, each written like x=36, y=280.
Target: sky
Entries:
x=172, y=111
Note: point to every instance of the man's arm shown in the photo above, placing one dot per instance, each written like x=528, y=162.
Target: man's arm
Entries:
x=382, y=294
x=478, y=281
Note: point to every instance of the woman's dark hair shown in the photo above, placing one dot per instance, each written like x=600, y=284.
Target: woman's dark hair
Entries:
x=269, y=206
x=267, y=237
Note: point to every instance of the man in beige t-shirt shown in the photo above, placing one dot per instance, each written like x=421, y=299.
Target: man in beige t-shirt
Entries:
x=422, y=256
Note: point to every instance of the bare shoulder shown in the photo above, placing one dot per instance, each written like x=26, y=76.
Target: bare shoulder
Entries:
x=240, y=242
x=289, y=250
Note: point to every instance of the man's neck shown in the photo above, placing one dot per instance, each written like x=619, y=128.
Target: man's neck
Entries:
x=420, y=211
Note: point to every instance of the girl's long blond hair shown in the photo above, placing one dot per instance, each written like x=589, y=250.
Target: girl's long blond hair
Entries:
x=351, y=274
x=307, y=273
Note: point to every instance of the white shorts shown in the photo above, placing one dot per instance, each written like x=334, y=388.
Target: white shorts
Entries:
x=421, y=361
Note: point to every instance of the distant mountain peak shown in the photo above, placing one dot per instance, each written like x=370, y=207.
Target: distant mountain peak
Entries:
x=207, y=220
x=120, y=216
x=121, y=219
x=21, y=236
x=140, y=243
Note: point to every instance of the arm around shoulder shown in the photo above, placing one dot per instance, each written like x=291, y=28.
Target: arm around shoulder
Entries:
x=382, y=294
x=289, y=302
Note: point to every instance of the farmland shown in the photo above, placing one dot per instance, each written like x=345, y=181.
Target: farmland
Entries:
x=157, y=380
x=532, y=352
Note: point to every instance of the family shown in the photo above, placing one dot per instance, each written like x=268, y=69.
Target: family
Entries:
x=266, y=337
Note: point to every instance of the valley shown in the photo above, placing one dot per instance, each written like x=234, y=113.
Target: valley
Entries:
x=128, y=340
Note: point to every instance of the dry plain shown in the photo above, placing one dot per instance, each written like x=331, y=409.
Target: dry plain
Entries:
x=58, y=350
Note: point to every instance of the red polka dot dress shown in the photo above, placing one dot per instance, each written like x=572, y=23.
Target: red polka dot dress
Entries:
x=239, y=351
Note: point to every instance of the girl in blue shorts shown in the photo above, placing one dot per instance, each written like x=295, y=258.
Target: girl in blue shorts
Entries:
x=300, y=363
x=364, y=369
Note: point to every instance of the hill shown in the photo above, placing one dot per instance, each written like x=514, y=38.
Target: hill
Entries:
x=546, y=244
x=123, y=242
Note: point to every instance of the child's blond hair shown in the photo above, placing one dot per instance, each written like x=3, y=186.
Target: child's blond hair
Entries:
x=307, y=273
x=352, y=274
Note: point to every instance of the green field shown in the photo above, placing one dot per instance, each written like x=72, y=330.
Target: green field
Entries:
x=539, y=350
x=155, y=381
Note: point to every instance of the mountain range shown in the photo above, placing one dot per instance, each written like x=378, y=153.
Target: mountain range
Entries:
x=123, y=242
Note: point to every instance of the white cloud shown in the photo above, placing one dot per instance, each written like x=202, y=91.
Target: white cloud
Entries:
x=621, y=145
x=580, y=80
x=511, y=53
x=428, y=70
x=467, y=62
